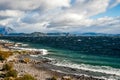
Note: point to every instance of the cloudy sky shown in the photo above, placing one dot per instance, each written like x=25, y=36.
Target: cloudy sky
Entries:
x=102, y=16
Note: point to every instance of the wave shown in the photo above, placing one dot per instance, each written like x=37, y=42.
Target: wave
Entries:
x=34, y=55
x=113, y=72
x=6, y=41
x=16, y=47
x=79, y=74
x=43, y=51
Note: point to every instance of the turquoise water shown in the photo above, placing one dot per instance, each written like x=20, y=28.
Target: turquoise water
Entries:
x=78, y=60
x=79, y=57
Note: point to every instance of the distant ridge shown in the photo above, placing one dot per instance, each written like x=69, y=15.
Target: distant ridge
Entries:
x=96, y=34
x=38, y=34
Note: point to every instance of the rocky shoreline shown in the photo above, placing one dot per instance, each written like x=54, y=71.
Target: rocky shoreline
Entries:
x=41, y=70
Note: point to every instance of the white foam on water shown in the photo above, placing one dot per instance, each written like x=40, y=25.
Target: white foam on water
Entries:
x=6, y=41
x=34, y=55
x=101, y=69
x=43, y=51
x=52, y=59
x=24, y=45
x=78, y=74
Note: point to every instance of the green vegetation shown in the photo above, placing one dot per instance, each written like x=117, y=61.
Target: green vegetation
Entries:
x=24, y=52
x=20, y=52
x=26, y=77
x=53, y=78
x=9, y=78
x=8, y=72
x=12, y=73
x=7, y=66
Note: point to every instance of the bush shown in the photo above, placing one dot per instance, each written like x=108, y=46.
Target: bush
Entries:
x=8, y=66
x=53, y=78
x=16, y=52
x=24, y=52
x=12, y=73
x=26, y=60
x=9, y=78
x=26, y=77
x=66, y=78
x=5, y=54
x=20, y=52
x=2, y=75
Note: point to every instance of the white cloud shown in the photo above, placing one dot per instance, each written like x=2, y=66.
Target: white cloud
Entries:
x=89, y=7
x=5, y=22
x=58, y=15
x=38, y=27
x=33, y=4
x=11, y=13
x=104, y=25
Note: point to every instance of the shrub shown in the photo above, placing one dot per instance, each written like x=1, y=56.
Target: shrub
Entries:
x=24, y=52
x=66, y=78
x=8, y=66
x=5, y=54
x=26, y=77
x=20, y=52
x=9, y=78
x=53, y=78
x=11, y=73
x=2, y=75
x=15, y=51
x=26, y=60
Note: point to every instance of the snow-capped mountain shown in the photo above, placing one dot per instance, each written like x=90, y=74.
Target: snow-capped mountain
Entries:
x=6, y=30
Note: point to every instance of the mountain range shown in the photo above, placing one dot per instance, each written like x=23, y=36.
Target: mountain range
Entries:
x=7, y=31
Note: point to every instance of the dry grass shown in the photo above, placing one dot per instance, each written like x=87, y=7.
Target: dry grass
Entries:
x=5, y=54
